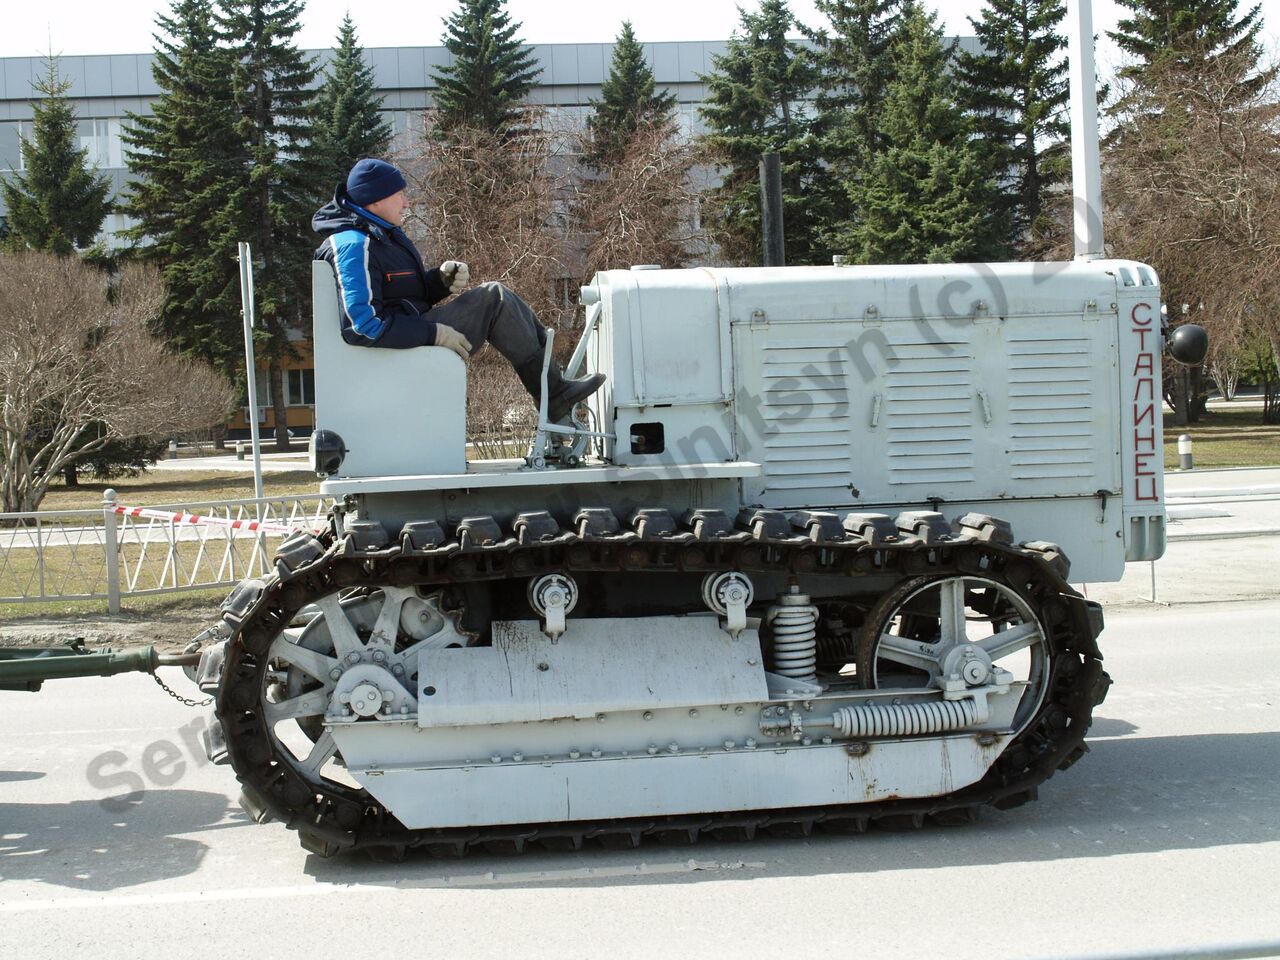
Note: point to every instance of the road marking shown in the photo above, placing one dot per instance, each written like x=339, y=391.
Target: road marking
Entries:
x=193, y=896
x=19, y=734
x=462, y=881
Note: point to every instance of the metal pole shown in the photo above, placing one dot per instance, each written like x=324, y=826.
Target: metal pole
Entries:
x=1086, y=164
x=771, y=210
x=246, y=310
x=111, y=545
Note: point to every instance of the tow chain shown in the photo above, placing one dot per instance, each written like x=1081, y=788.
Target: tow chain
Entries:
x=333, y=817
x=216, y=632
x=185, y=701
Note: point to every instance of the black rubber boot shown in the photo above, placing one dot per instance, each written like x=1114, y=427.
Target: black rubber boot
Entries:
x=566, y=394
x=563, y=394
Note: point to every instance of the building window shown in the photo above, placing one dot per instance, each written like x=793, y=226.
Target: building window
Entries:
x=301, y=388
x=99, y=138
x=24, y=131
x=264, y=404
x=95, y=142
x=10, y=146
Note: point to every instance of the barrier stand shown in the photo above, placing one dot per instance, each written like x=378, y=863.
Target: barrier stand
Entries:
x=192, y=519
x=112, y=511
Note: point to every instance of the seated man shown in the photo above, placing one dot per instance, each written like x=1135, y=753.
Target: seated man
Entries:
x=389, y=299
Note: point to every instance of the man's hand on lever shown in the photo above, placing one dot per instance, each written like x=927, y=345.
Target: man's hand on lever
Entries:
x=456, y=275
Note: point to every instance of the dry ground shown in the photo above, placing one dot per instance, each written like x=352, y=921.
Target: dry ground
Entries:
x=155, y=487
x=1226, y=438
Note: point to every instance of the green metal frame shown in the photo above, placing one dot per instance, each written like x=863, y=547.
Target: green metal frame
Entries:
x=26, y=668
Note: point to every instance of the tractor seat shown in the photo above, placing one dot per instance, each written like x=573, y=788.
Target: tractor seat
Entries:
x=399, y=412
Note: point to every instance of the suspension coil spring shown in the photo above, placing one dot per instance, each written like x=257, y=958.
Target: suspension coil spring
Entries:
x=905, y=719
x=793, y=621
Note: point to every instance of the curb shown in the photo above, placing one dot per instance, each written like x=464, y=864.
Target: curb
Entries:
x=1224, y=535
x=1196, y=493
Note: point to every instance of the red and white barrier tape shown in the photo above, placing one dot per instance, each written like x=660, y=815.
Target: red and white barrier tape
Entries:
x=191, y=519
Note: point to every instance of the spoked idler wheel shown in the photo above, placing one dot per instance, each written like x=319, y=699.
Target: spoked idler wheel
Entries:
x=908, y=635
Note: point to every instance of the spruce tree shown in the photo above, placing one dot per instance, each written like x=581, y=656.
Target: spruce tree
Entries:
x=926, y=196
x=627, y=101
x=56, y=203
x=1188, y=34
x=349, y=123
x=184, y=162
x=1015, y=90
x=854, y=69
x=271, y=204
x=755, y=104
x=491, y=73
x=852, y=58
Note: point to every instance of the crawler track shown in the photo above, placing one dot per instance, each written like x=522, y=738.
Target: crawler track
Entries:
x=334, y=819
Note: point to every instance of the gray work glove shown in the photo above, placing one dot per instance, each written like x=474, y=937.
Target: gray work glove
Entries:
x=451, y=338
x=455, y=274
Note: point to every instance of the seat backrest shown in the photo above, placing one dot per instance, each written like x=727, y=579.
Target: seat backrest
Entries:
x=399, y=412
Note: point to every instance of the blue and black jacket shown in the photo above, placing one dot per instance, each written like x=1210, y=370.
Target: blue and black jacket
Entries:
x=384, y=290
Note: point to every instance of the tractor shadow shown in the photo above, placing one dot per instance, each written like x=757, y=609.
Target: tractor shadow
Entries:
x=92, y=846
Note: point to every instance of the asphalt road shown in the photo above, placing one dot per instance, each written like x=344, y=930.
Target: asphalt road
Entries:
x=1166, y=836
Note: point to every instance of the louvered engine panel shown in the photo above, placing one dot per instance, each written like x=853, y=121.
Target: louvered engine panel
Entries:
x=897, y=412
x=928, y=413
x=1052, y=433
x=804, y=409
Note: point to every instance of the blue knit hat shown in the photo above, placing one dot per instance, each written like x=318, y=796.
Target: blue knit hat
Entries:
x=372, y=180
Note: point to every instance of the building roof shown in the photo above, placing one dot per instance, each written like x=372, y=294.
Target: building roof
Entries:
x=566, y=68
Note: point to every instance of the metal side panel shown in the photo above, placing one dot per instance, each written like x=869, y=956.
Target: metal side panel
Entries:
x=597, y=666
x=591, y=789
x=503, y=475
x=1141, y=424
x=652, y=311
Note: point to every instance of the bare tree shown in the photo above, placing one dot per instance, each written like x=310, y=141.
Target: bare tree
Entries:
x=1193, y=175
x=1227, y=360
x=643, y=207
x=500, y=416
x=495, y=201
x=523, y=210
x=79, y=369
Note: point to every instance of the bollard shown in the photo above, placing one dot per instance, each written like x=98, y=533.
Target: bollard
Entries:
x=1184, y=452
x=111, y=549
x=239, y=449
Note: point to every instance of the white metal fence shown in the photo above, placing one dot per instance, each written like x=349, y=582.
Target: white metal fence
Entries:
x=104, y=555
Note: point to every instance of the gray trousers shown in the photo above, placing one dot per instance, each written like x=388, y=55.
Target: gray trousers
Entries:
x=495, y=314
